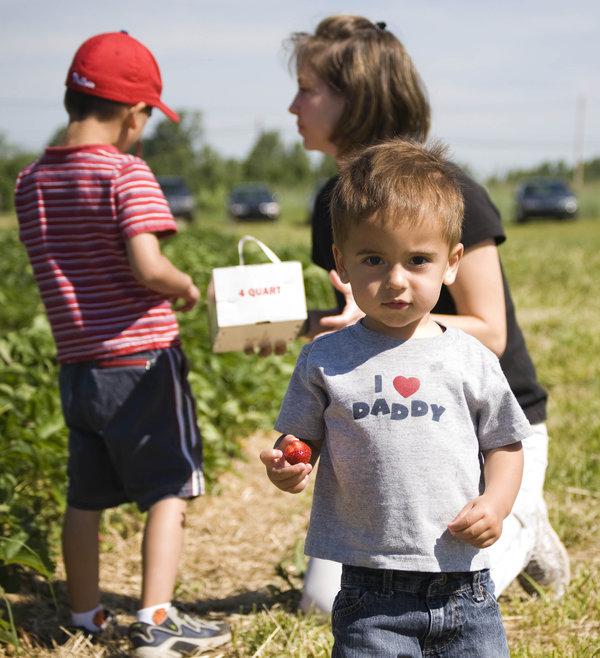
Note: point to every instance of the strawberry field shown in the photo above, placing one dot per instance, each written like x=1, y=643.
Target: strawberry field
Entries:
x=235, y=395
x=554, y=271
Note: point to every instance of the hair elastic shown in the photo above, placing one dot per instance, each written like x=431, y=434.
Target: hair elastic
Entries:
x=381, y=25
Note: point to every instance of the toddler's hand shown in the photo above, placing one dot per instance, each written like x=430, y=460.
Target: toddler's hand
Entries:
x=478, y=523
x=284, y=476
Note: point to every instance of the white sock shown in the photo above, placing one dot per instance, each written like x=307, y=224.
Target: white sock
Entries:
x=86, y=619
x=147, y=616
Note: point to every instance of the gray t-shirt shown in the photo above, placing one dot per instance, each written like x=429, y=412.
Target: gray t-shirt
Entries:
x=401, y=426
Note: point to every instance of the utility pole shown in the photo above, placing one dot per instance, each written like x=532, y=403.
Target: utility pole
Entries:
x=579, y=141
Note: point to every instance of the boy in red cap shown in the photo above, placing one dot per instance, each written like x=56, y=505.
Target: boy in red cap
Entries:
x=90, y=217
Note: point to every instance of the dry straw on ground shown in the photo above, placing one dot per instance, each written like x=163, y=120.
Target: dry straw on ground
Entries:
x=234, y=546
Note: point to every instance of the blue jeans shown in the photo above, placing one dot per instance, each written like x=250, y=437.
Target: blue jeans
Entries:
x=381, y=613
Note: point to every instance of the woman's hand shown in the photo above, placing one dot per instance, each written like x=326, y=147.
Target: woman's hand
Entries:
x=322, y=322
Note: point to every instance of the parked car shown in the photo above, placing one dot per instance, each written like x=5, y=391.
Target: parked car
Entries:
x=178, y=196
x=545, y=197
x=253, y=201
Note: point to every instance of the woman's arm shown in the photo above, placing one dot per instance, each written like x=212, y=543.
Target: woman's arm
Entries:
x=478, y=294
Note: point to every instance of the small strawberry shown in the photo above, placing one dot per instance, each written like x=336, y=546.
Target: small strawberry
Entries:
x=297, y=452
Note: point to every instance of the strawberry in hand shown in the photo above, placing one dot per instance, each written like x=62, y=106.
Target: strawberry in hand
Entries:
x=288, y=464
x=297, y=452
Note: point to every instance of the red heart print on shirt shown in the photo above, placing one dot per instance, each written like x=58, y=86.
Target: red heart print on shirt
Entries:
x=406, y=386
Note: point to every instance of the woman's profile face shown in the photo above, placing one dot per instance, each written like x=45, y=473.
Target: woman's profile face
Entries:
x=318, y=109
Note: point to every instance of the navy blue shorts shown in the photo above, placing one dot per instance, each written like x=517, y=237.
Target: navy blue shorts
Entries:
x=133, y=434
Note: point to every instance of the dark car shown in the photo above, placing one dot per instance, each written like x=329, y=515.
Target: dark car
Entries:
x=178, y=196
x=545, y=198
x=253, y=201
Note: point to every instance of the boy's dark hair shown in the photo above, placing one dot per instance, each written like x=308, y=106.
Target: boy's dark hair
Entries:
x=398, y=182
x=80, y=106
x=368, y=66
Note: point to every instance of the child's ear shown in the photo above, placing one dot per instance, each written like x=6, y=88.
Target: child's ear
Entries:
x=454, y=257
x=133, y=114
x=339, y=264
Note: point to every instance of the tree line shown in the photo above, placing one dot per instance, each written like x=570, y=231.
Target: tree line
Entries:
x=182, y=149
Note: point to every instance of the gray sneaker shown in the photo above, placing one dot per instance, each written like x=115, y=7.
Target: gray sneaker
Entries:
x=176, y=635
x=548, y=565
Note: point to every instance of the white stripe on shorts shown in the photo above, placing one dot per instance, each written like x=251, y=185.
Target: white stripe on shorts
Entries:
x=187, y=430
x=198, y=476
x=195, y=440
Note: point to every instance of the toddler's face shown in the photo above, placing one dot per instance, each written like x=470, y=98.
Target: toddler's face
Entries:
x=396, y=272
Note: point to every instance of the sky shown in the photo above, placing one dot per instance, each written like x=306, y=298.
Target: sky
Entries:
x=511, y=83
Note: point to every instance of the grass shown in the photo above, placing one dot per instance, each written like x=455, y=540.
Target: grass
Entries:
x=554, y=272
x=8, y=220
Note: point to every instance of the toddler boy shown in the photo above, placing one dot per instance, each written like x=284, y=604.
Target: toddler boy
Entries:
x=90, y=217
x=417, y=430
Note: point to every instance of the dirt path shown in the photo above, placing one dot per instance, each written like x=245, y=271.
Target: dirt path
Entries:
x=238, y=552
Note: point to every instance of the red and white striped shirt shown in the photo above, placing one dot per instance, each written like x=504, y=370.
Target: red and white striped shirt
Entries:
x=76, y=208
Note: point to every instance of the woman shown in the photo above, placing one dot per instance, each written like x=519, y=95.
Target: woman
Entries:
x=356, y=86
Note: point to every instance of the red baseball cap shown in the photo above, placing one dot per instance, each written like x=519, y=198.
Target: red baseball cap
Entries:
x=119, y=68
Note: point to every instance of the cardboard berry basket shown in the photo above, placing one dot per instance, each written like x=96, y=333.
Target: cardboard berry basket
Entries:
x=249, y=305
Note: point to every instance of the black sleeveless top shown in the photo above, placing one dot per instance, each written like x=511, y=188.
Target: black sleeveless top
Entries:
x=481, y=222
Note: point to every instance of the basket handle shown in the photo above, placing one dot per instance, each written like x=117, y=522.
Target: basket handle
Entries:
x=271, y=255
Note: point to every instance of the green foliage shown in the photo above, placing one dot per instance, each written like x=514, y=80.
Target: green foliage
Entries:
x=32, y=446
x=266, y=157
x=235, y=394
x=172, y=148
x=12, y=160
x=558, y=169
x=592, y=169
x=181, y=149
x=269, y=160
x=32, y=437
x=19, y=299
